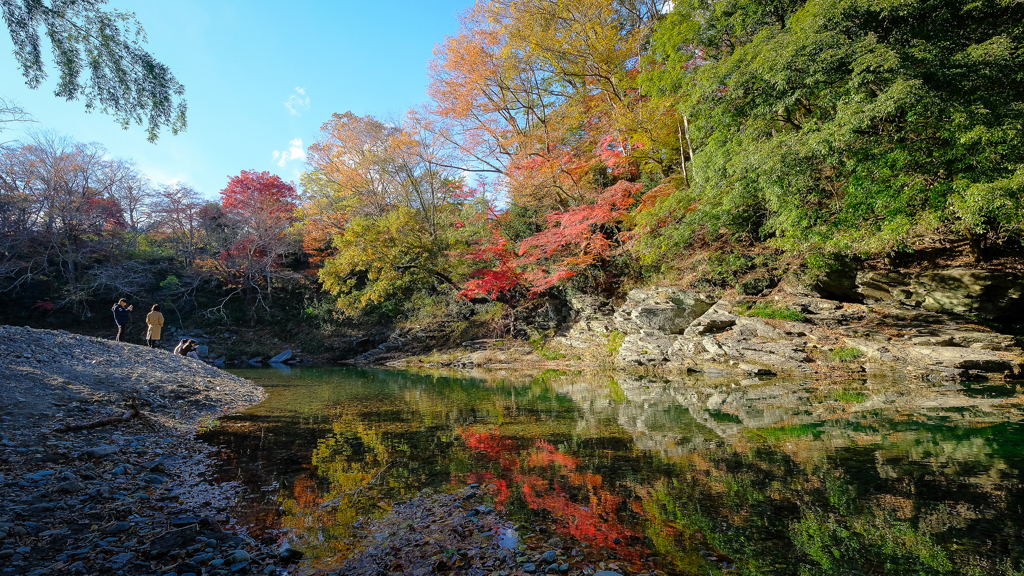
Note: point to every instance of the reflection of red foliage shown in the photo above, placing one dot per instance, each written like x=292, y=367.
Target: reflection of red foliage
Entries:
x=595, y=524
x=546, y=455
x=492, y=444
x=545, y=476
x=45, y=306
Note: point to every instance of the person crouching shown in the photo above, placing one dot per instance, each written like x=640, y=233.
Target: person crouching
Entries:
x=187, y=348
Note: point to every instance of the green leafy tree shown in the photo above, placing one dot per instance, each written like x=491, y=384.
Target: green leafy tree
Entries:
x=850, y=126
x=122, y=79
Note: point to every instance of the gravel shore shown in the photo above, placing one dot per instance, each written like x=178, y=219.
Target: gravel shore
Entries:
x=129, y=498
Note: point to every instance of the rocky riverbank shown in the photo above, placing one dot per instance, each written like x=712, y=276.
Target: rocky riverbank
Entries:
x=785, y=333
x=128, y=498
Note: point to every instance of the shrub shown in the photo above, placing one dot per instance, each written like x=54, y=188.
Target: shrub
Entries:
x=755, y=286
x=537, y=342
x=844, y=354
x=768, y=310
x=615, y=340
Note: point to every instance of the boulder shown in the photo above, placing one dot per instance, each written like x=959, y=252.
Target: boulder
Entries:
x=203, y=350
x=667, y=310
x=256, y=361
x=100, y=451
x=287, y=354
x=173, y=540
x=649, y=348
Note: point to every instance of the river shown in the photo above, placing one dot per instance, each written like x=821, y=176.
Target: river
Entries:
x=691, y=476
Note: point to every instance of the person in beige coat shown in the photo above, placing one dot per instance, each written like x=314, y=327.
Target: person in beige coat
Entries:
x=154, y=321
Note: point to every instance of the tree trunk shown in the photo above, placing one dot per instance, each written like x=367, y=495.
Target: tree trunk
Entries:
x=975, y=246
x=682, y=154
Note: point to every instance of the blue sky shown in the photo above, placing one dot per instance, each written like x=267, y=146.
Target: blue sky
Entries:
x=260, y=79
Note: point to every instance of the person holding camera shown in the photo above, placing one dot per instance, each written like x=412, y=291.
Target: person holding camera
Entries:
x=122, y=317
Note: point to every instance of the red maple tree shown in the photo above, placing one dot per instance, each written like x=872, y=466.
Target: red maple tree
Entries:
x=576, y=238
x=259, y=207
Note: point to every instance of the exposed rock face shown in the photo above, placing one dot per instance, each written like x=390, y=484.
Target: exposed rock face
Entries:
x=667, y=310
x=985, y=294
x=651, y=313
x=686, y=331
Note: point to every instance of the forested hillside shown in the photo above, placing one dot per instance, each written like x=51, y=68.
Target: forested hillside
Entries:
x=569, y=146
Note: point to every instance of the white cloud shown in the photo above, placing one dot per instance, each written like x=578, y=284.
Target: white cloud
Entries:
x=295, y=151
x=298, y=101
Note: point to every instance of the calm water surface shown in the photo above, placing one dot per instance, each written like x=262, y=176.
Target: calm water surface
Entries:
x=705, y=476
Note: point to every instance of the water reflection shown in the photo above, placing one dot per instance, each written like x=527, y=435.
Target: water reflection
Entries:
x=686, y=476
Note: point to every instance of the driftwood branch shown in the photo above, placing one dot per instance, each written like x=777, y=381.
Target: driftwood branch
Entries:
x=132, y=413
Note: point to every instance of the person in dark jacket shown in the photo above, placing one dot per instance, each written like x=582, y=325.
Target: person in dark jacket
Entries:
x=187, y=348
x=123, y=317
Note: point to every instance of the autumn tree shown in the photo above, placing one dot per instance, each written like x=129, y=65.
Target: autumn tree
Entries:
x=259, y=207
x=546, y=96
x=394, y=207
x=68, y=216
x=176, y=207
x=533, y=91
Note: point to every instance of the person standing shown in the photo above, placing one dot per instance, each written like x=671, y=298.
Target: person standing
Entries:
x=154, y=322
x=123, y=317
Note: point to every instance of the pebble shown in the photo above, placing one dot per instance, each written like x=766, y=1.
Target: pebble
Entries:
x=237, y=557
x=100, y=452
x=529, y=568
x=118, y=527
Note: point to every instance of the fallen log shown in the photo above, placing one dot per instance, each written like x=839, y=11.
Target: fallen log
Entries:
x=132, y=413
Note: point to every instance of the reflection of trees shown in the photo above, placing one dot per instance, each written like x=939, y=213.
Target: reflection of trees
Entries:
x=379, y=450
x=535, y=474
x=876, y=492
x=775, y=515
x=358, y=466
